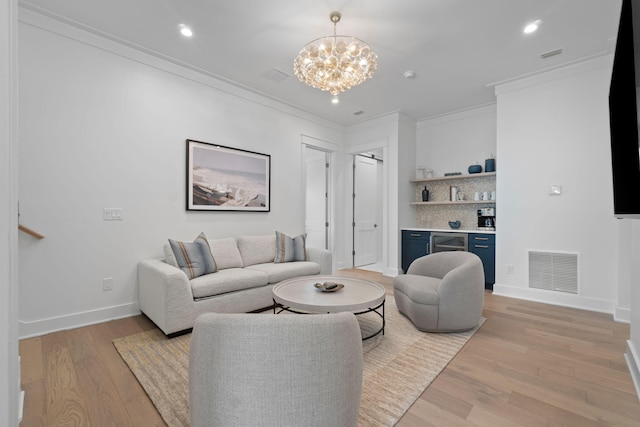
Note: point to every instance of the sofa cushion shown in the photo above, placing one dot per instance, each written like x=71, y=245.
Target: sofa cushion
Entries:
x=225, y=252
x=290, y=248
x=195, y=258
x=169, y=258
x=289, y=270
x=227, y=280
x=257, y=249
x=419, y=289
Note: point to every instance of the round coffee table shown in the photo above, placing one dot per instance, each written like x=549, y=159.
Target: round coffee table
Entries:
x=299, y=295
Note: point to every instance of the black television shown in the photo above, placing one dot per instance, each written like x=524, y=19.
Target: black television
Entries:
x=623, y=113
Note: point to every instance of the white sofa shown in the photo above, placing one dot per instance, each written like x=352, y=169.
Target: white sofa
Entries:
x=245, y=274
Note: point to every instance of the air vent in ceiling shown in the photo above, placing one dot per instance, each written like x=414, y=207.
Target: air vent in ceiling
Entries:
x=551, y=53
x=275, y=75
x=357, y=113
x=553, y=271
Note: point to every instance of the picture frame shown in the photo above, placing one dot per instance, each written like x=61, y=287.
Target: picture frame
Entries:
x=221, y=178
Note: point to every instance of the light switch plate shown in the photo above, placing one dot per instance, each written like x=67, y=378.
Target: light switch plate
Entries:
x=112, y=214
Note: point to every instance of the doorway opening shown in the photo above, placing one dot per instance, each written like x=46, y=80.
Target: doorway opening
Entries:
x=367, y=211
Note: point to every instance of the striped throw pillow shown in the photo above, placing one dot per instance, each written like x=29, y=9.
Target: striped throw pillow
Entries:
x=290, y=248
x=194, y=258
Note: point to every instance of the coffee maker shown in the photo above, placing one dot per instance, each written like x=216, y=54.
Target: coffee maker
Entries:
x=487, y=219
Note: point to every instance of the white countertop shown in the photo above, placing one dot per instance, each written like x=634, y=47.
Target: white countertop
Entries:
x=449, y=230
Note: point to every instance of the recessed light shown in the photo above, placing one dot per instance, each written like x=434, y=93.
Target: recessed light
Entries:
x=532, y=27
x=409, y=74
x=186, y=31
x=335, y=100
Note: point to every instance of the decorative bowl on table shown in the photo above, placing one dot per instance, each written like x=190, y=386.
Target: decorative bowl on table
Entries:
x=454, y=224
x=329, y=286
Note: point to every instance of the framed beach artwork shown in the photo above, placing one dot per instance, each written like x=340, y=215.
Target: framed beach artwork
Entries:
x=227, y=179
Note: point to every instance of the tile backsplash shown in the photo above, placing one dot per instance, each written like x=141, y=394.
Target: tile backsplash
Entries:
x=438, y=216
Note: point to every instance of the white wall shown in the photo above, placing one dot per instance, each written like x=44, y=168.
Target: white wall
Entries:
x=395, y=135
x=105, y=126
x=452, y=142
x=633, y=270
x=9, y=369
x=407, y=147
x=625, y=266
x=379, y=133
x=554, y=129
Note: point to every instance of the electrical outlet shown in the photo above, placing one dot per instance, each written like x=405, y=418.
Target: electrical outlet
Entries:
x=107, y=284
x=509, y=268
x=555, y=190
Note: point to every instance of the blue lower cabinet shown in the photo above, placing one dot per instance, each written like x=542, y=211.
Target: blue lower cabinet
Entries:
x=484, y=245
x=415, y=244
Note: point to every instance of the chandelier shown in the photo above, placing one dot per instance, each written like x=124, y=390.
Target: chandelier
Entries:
x=335, y=63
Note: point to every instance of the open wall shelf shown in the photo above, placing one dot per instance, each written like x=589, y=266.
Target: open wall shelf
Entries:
x=460, y=202
x=454, y=177
x=440, y=209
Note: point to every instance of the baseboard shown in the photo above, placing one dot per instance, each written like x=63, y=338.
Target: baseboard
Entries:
x=28, y=329
x=622, y=315
x=20, y=406
x=633, y=362
x=555, y=298
x=21, y=395
x=341, y=265
x=391, y=272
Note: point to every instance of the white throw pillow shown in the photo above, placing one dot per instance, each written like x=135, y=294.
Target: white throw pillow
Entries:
x=257, y=249
x=169, y=258
x=226, y=254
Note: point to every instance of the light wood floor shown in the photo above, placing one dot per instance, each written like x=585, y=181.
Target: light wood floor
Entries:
x=530, y=364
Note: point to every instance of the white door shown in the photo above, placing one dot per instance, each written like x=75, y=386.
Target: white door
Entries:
x=316, y=163
x=365, y=201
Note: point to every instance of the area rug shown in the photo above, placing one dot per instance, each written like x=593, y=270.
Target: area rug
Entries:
x=398, y=367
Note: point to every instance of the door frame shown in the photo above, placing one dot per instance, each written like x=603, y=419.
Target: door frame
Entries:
x=10, y=392
x=333, y=150
x=327, y=188
x=363, y=148
x=379, y=231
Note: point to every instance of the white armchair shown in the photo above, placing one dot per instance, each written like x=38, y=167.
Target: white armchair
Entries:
x=275, y=370
x=442, y=292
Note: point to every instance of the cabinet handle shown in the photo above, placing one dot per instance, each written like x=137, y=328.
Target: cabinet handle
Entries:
x=482, y=246
x=416, y=235
x=481, y=238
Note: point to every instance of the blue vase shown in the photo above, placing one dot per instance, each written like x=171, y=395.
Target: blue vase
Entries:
x=490, y=165
x=475, y=169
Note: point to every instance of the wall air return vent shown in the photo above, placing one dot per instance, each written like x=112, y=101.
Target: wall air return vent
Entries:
x=275, y=75
x=553, y=271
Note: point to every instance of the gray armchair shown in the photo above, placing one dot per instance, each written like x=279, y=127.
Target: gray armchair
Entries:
x=442, y=292
x=275, y=370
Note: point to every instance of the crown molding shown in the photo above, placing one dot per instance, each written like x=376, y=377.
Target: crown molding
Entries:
x=44, y=20
x=595, y=62
x=454, y=116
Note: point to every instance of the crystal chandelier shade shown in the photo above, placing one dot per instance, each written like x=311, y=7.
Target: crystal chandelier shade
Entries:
x=335, y=63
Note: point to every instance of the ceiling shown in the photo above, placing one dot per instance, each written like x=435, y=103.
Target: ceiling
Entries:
x=457, y=48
